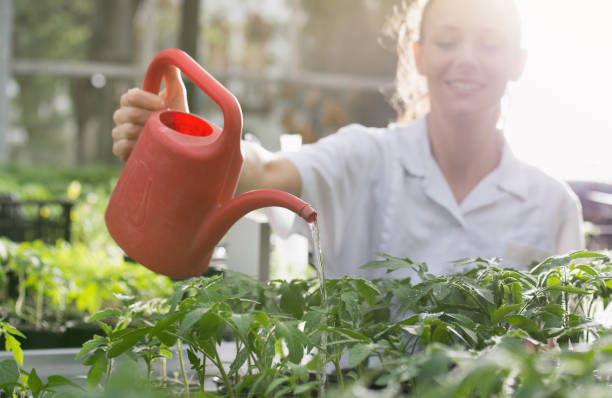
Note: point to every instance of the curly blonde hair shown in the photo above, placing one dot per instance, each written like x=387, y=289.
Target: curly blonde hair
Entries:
x=409, y=96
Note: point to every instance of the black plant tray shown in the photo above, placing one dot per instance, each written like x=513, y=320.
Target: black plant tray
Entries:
x=28, y=220
x=69, y=338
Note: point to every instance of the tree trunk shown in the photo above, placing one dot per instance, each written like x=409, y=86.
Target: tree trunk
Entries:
x=188, y=42
x=112, y=41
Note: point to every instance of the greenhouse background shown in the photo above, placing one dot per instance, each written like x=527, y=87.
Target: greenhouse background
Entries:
x=300, y=69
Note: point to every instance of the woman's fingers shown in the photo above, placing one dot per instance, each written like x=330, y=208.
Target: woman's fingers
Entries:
x=124, y=138
x=137, y=98
x=126, y=131
x=175, y=94
x=131, y=115
x=136, y=106
x=122, y=148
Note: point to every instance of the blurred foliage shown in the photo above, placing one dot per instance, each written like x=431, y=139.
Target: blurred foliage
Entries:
x=88, y=187
x=50, y=30
x=67, y=120
x=58, y=29
x=61, y=282
x=341, y=34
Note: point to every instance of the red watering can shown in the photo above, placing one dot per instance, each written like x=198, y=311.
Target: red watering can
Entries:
x=173, y=201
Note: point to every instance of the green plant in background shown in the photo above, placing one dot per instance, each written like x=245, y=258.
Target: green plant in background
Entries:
x=89, y=188
x=64, y=283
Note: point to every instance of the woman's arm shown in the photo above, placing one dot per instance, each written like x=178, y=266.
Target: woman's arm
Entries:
x=265, y=170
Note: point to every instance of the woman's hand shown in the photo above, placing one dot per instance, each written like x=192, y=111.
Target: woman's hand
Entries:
x=137, y=105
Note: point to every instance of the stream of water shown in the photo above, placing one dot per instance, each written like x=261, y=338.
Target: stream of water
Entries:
x=318, y=260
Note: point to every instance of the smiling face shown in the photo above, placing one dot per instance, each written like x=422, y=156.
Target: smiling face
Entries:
x=468, y=51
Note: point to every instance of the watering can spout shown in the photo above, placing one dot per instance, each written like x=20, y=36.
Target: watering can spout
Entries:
x=215, y=227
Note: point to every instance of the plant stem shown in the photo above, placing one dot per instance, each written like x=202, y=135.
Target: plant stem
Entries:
x=108, y=371
x=226, y=381
x=179, y=347
x=203, y=371
x=20, y=296
x=163, y=371
x=339, y=373
x=149, y=370
x=39, y=304
x=416, y=340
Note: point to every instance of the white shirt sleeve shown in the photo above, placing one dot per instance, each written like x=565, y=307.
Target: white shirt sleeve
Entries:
x=335, y=171
x=571, y=233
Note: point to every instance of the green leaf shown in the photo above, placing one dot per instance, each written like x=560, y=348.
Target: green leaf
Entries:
x=243, y=323
x=390, y=263
x=462, y=319
x=441, y=291
x=34, y=383
x=209, y=296
x=9, y=373
x=468, y=332
x=517, y=292
x=165, y=353
x=467, y=261
x=348, y=333
x=191, y=319
x=587, y=269
x=568, y=289
x=261, y=318
x=10, y=329
x=88, y=346
x=586, y=254
x=315, y=363
x=193, y=359
x=313, y=319
x=551, y=262
x=106, y=328
x=523, y=323
x=240, y=359
x=409, y=296
x=368, y=290
x=98, y=363
x=105, y=314
x=165, y=323
x=292, y=301
x=351, y=304
x=176, y=297
x=441, y=333
x=480, y=291
x=12, y=344
x=282, y=392
x=500, y=313
x=59, y=381
x=272, y=386
x=302, y=388
x=167, y=338
x=294, y=338
x=554, y=309
x=128, y=341
x=359, y=352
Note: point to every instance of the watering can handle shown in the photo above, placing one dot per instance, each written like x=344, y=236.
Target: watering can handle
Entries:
x=232, y=114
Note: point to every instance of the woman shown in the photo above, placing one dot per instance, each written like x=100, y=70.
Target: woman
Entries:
x=441, y=188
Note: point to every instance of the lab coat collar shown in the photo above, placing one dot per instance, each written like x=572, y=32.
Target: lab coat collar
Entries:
x=416, y=157
x=413, y=146
x=512, y=174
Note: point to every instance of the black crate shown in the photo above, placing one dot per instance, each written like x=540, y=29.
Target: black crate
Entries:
x=28, y=220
